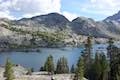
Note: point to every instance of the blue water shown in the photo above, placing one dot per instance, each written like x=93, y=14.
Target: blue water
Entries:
x=37, y=59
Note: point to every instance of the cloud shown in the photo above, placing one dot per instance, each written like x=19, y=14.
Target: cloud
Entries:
x=69, y=15
x=101, y=7
x=6, y=15
x=15, y=9
x=28, y=8
x=106, y=4
x=37, y=6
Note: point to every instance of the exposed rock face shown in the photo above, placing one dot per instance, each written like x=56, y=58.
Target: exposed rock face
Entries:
x=87, y=26
x=115, y=17
x=49, y=21
x=110, y=27
x=54, y=29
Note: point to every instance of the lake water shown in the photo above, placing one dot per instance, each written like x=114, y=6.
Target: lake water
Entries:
x=37, y=59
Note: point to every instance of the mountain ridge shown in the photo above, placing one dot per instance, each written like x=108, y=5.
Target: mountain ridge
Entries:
x=55, y=29
x=115, y=17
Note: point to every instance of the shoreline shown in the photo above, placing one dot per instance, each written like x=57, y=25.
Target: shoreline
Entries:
x=33, y=49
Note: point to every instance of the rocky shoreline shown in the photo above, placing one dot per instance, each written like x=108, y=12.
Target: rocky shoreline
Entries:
x=20, y=74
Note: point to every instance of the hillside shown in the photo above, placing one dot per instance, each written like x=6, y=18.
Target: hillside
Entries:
x=55, y=30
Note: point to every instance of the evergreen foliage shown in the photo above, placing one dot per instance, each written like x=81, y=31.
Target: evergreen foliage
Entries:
x=8, y=70
x=79, y=73
x=99, y=69
x=72, y=69
x=49, y=64
x=87, y=56
x=114, y=60
x=62, y=66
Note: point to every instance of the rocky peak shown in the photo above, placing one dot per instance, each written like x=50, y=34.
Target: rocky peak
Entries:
x=49, y=20
x=115, y=17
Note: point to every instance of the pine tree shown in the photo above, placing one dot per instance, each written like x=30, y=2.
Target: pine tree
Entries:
x=95, y=68
x=42, y=69
x=65, y=65
x=58, y=67
x=62, y=66
x=110, y=41
x=72, y=69
x=8, y=70
x=118, y=74
x=104, y=67
x=87, y=56
x=114, y=57
x=49, y=65
x=32, y=69
x=99, y=69
x=88, y=47
x=79, y=73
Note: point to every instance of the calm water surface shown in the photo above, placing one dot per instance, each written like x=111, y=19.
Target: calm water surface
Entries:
x=37, y=59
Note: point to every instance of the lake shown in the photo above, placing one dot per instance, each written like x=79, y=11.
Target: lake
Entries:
x=37, y=59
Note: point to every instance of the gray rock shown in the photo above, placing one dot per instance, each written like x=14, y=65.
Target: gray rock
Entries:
x=56, y=23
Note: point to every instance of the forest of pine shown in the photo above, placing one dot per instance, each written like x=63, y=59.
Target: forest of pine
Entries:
x=99, y=67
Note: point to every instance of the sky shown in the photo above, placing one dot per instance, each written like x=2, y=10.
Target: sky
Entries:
x=71, y=9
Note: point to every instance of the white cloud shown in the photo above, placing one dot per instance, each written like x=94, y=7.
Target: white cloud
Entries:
x=69, y=15
x=29, y=15
x=37, y=6
x=6, y=14
x=93, y=1
x=103, y=7
x=107, y=4
x=29, y=8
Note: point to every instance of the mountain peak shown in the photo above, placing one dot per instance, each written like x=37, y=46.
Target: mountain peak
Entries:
x=115, y=17
x=45, y=15
x=49, y=20
x=81, y=19
x=50, y=14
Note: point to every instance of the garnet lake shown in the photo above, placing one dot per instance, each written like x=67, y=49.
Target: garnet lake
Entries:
x=37, y=59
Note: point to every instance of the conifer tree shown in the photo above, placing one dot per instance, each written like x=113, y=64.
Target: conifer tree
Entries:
x=104, y=67
x=8, y=70
x=114, y=57
x=79, y=73
x=58, y=67
x=49, y=65
x=99, y=69
x=42, y=68
x=87, y=56
x=62, y=66
x=95, y=68
x=118, y=74
x=72, y=69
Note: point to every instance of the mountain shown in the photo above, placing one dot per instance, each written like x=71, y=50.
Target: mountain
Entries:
x=115, y=17
x=107, y=28
x=51, y=30
x=55, y=30
x=55, y=22
x=51, y=21
x=87, y=26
